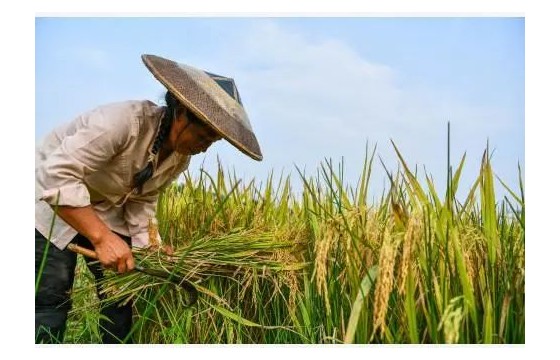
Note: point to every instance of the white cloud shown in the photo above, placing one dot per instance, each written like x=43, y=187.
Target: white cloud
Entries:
x=93, y=58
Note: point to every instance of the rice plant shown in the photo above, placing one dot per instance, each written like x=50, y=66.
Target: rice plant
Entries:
x=328, y=265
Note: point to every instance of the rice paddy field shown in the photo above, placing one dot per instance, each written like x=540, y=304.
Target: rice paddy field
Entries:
x=328, y=265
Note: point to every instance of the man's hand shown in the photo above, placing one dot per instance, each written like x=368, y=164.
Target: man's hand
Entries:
x=114, y=253
x=166, y=249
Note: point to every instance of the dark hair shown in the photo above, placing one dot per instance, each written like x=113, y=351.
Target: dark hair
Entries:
x=146, y=173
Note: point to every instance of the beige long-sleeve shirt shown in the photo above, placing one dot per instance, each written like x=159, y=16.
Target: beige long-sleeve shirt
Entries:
x=92, y=161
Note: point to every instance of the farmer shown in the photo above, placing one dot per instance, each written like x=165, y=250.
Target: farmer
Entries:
x=99, y=178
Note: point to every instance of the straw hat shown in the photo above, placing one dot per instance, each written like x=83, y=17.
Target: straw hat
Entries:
x=213, y=98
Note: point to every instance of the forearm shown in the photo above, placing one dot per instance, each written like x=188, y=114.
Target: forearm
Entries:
x=111, y=250
x=86, y=222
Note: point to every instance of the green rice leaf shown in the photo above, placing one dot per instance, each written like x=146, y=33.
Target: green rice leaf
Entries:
x=365, y=287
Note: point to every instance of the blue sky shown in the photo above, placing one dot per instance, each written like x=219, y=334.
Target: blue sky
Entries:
x=314, y=87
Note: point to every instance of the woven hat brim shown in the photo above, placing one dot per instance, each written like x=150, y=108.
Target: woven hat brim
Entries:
x=196, y=90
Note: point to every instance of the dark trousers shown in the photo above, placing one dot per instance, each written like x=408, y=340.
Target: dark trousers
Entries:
x=52, y=298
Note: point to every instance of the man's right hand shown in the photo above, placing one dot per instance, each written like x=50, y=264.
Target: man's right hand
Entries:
x=114, y=253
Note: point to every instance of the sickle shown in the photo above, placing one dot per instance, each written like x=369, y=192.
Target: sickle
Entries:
x=187, y=286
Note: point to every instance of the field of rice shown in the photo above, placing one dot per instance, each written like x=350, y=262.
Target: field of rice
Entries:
x=328, y=265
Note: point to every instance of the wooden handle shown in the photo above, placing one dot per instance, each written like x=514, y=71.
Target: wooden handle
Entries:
x=82, y=250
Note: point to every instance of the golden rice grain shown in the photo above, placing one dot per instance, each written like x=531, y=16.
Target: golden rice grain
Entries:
x=385, y=278
x=412, y=237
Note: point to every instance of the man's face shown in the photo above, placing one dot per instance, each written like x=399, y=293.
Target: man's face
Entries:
x=191, y=136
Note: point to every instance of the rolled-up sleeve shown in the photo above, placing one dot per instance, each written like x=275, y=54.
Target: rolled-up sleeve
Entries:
x=137, y=213
x=96, y=137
